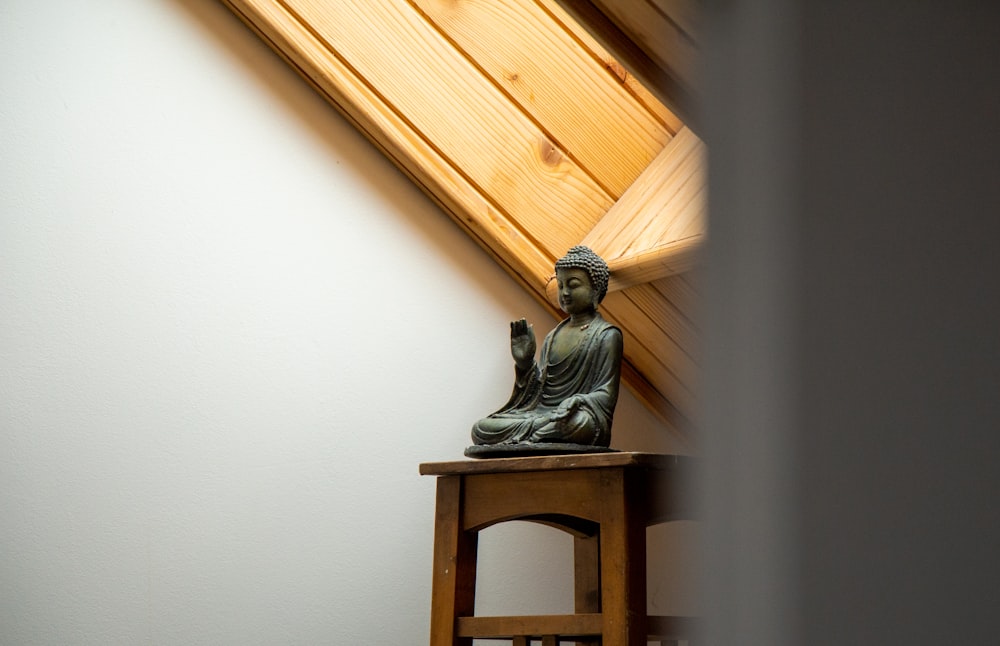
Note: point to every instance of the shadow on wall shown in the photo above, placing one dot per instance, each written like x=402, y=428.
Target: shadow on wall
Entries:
x=340, y=137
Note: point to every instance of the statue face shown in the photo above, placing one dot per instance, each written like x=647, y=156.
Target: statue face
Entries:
x=576, y=295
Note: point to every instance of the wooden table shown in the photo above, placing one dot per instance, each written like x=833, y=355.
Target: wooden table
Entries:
x=604, y=500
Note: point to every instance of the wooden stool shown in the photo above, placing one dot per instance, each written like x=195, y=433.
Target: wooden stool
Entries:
x=605, y=500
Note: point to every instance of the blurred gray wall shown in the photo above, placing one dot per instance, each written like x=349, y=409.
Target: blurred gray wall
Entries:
x=853, y=336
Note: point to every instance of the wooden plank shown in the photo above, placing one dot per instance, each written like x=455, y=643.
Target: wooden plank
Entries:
x=491, y=167
x=670, y=303
x=542, y=67
x=661, y=261
x=678, y=215
x=497, y=497
x=631, y=459
x=681, y=292
x=666, y=84
x=654, y=354
x=394, y=135
x=631, y=82
x=623, y=560
x=451, y=104
x=659, y=35
x=644, y=267
x=668, y=320
x=660, y=207
x=581, y=625
x=657, y=228
x=454, y=563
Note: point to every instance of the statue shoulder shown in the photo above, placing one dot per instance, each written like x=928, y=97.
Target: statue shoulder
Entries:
x=602, y=326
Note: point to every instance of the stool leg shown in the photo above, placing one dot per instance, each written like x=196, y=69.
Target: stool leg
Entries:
x=623, y=567
x=453, y=591
x=587, y=577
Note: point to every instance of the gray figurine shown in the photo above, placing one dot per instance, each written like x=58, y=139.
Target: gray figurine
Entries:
x=565, y=401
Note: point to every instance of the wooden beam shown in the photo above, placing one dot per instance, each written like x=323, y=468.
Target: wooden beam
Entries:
x=666, y=203
x=542, y=66
x=578, y=625
x=661, y=261
x=661, y=28
x=529, y=136
x=659, y=224
x=448, y=128
x=610, y=62
x=655, y=40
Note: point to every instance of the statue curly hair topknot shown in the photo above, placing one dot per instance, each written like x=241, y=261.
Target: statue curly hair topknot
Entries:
x=581, y=257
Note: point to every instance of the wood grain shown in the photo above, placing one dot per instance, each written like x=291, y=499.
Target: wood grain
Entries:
x=513, y=119
x=531, y=625
x=661, y=35
x=665, y=208
x=452, y=105
x=541, y=66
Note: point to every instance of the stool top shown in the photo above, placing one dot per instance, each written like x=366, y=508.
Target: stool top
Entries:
x=658, y=461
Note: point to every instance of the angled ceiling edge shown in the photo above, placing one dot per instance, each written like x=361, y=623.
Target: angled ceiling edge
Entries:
x=515, y=119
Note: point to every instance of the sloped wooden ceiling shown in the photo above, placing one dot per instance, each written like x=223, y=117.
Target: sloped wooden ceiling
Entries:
x=654, y=39
x=525, y=130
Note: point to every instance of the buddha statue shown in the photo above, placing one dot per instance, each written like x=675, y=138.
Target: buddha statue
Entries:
x=563, y=402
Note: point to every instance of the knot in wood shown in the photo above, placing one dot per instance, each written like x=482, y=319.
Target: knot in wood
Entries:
x=615, y=68
x=549, y=153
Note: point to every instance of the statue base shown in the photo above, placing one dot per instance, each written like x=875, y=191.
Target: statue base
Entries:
x=532, y=448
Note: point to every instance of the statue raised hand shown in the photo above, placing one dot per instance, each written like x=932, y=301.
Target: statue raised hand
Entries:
x=522, y=344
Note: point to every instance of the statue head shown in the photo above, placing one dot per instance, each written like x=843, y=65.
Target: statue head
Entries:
x=581, y=257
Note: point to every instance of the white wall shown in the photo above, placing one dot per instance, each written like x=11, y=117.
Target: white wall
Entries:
x=229, y=332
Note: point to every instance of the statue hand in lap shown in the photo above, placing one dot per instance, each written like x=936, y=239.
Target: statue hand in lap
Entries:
x=568, y=396
x=568, y=407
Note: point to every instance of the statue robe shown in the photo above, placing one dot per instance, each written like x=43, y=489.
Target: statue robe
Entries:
x=592, y=370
